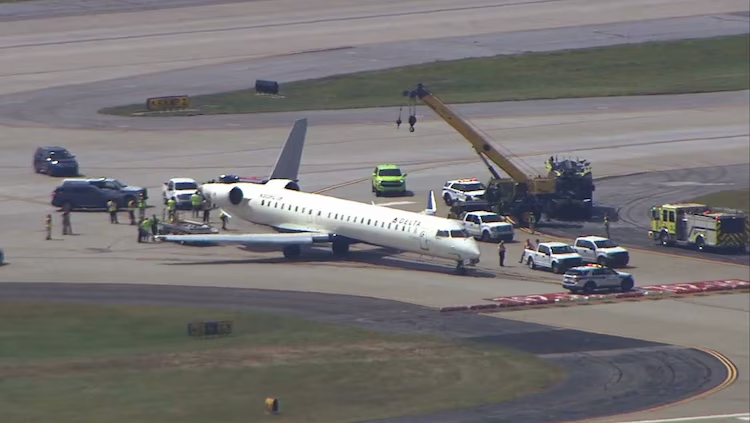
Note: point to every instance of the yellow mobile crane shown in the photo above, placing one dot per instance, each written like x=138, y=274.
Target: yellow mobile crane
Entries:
x=516, y=196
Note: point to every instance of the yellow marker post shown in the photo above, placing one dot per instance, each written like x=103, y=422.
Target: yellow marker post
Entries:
x=272, y=406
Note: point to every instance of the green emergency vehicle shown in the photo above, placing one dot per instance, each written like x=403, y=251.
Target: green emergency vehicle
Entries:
x=388, y=179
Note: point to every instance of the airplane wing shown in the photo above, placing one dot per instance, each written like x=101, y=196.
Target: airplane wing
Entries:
x=254, y=240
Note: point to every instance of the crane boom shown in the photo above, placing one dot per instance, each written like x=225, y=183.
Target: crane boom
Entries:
x=477, y=141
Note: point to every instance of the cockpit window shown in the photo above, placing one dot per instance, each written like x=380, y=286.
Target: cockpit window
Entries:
x=460, y=233
x=444, y=234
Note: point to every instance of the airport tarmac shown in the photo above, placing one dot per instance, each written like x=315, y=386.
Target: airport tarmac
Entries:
x=648, y=135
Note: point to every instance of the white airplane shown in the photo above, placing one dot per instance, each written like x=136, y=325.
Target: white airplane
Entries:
x=304, y=219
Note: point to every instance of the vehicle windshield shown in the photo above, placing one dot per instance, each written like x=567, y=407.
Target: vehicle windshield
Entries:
x=60, y=154
x=179, y=186
x=491, y=218
x=605, y=243
x=389, y=172
x=474, y=186
x=563, y=249
x=117, y=183
x=574, y=272
x=459, y=233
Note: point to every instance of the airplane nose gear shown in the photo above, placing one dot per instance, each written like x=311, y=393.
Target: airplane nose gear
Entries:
x=461, y=268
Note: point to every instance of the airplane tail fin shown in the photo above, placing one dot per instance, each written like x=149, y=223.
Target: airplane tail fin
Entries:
x=431, y=205
x=287, y=165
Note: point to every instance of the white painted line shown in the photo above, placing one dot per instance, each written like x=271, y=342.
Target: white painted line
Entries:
x=397, y=203
x=738, y=416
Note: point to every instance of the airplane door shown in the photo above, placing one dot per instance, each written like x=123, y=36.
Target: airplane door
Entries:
x=424, y=242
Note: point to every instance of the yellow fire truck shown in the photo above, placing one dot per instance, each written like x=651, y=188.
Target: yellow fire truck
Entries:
x=698, y=226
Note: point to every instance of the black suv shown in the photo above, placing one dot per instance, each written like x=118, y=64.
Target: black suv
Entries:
x=55, y=161
x=94, y=193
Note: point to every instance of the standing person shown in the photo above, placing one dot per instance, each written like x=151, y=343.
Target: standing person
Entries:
x=195, y=201
x=141, y=206
x=206, y=211
x=140, y=230
x=606, y=224
x=112, y=209
x=146, y=229
x=48, y=226
x=154, y=226
x=532, y=222
x=501, y=253
x=528, y=246
x=67, y=229
x=171, y=210
x=131, y=211
x=224, y=219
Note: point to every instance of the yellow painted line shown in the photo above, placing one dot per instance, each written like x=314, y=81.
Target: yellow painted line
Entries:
x=732, y=373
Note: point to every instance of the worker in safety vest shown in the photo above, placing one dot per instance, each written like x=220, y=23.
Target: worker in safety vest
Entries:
x=112, y=209
x=145, y=230
x=141, y=207
x=131, y=211
x=154, y=225
x=48, y=226
x=171, y=210
x=606, y=224
x=196, y=201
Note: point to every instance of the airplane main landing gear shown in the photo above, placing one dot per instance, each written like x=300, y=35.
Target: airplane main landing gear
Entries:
x=340, y=247
x=292, y=251
x=461, y=268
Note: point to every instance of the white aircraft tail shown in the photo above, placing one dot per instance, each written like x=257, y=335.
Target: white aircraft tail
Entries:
x=431, y=205
x=287, y=165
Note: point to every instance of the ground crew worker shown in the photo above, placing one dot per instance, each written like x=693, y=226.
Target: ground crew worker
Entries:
x=528, y=246
x=532, y=222
x=131, y=211
x=154, y=226
x=145, y=230
x=141, y=207
x=171, y=210
x=606, y=224
x=224, y=219
x=67, y=229
x=112, y=209
x=48, y=226
x=501, y=253
x=195, y=201
x=206, y=211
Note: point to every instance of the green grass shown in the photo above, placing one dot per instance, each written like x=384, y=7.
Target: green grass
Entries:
x=687, y=66
x=733, y=199
x=67, y=362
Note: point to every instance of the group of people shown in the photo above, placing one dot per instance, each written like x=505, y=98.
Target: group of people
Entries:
x=501, y=250
x=67, y=229
x=148, y=229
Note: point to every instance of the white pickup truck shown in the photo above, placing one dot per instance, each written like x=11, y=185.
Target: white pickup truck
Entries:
x=596, y=249
x=181, y=189
x=555, y=256
x=487, y=226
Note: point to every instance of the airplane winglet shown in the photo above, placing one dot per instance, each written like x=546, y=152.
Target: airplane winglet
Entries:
x=287, y=165
x=431, y=205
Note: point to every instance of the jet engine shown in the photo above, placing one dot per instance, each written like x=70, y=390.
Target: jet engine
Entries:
x=283, y=184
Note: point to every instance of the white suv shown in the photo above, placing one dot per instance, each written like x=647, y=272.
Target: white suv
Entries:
x=467, y=189
x=594, y=277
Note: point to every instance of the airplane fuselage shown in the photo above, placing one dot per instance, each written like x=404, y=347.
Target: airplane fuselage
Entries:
x=288, y=210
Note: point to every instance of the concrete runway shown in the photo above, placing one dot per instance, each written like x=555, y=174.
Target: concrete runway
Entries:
x=71, y=66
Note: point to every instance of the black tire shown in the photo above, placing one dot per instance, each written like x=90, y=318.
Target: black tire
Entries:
x=589, y=287
x=700, y=244
x=531, y=264
x=555, y=268
x=485, y=236
x=627, y=284
x=447, y=199
x=602, y=261
x=378, y=193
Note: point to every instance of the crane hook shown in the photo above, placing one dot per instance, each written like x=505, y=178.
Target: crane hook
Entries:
x=412, y=122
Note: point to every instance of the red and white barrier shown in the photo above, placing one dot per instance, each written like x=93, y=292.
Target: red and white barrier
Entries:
x=562, y=298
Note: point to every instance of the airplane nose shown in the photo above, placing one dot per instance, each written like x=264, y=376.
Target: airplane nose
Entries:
x=470, y=250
